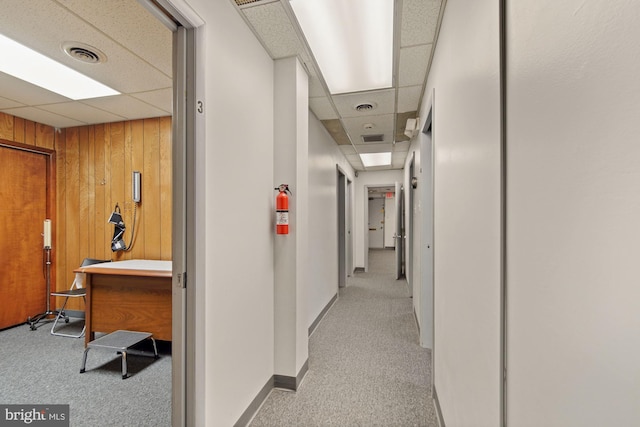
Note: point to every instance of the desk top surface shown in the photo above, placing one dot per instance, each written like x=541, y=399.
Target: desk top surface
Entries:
x=132, y=267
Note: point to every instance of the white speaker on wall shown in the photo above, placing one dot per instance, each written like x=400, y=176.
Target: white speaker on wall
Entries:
x=411, y=129
x=136, y=186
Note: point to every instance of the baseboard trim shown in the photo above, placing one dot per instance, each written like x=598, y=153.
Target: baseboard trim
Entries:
x=415, y=317
x=255, y=404
x=291, y=383
x=324, y=311
x=436, y=402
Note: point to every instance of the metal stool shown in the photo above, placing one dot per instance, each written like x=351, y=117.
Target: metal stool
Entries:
x=119, y=341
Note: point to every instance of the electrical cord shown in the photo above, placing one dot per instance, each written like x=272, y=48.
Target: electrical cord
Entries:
x=133, y=229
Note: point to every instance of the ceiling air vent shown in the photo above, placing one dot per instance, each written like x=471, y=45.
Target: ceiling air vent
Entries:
x=84, y=53
x=365, y=106
x=373, y=138
x=243, y=2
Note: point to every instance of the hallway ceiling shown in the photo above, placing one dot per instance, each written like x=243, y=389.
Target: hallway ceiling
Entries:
x=139, y=65
x=416, y=23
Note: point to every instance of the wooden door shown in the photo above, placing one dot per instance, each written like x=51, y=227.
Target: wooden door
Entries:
x=24, y=183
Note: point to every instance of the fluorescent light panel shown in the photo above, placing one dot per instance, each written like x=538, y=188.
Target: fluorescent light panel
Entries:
x=352, y=41
x=28, y=65
x=375, y=159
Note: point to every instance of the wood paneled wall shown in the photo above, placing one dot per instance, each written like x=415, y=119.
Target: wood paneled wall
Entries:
x=27, y=132
x=95, y=165
x=94, y=170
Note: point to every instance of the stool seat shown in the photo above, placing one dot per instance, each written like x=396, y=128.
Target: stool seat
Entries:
x=120, y=341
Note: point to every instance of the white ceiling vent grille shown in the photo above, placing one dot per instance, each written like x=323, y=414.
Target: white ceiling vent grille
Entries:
x=245, y=2
x=365, y=106
x=373, y=138
x=84, y=53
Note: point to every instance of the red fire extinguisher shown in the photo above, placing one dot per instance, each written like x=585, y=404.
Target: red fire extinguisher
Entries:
x=282, y=209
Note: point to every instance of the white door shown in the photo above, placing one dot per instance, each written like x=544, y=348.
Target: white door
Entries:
x=376, y=223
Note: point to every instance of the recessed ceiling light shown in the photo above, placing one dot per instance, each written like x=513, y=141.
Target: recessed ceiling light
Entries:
x=376, y=159
x=26, y=64
x=352, y=41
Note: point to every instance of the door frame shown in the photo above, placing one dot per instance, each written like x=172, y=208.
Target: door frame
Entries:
x=50, y=198
x=410, y=224
x=399, y=232
x=365, y=219
x=341, y=190
x=187, y=128
x=349, y=225
x=427, y=276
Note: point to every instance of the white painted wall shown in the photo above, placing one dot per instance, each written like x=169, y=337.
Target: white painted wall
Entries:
x=290, y=159
x=465, y=75
x=235, y=259
x=361, y=229
x=324, y=155
x=573, y=213
x=389, y=221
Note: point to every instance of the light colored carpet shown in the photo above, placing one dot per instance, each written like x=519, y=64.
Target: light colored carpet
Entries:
x=366, y=367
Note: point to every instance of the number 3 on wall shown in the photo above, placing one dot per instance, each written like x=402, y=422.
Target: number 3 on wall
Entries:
x=200, y=107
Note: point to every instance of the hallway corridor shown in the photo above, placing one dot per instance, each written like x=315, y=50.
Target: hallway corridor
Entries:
x=365, y=365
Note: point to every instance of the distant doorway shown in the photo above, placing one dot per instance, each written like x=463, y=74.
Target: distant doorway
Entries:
x=376, y=223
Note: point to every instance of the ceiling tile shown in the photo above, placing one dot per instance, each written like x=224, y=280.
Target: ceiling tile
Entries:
x=384, y=100
x=26, y=93
x=401, y=125
x=43, y=117
x=9, y=103
x=347, y=149
x=271, y=22
x=419, y=21
x=413, y=65
x=409, y=98
x=322, y=108
x=401, y=147
x=161, y=98
x=123, y=21
x=126, y=106
x=383, y=124
x=374, y=148
x=45, y=26
x=335, y=129
x=82, y=112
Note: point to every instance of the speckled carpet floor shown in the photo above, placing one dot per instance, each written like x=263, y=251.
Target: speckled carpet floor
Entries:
x=366, y=367
x=39, y=368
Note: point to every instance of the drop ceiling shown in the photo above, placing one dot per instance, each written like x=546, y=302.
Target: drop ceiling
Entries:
x=139, y=65
x=138, y=48
x=416, y=23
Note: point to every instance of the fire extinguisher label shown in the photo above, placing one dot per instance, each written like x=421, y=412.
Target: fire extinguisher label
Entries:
x=282, y=218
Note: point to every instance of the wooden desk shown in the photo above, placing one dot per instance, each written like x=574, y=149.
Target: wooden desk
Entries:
x=132, y=295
